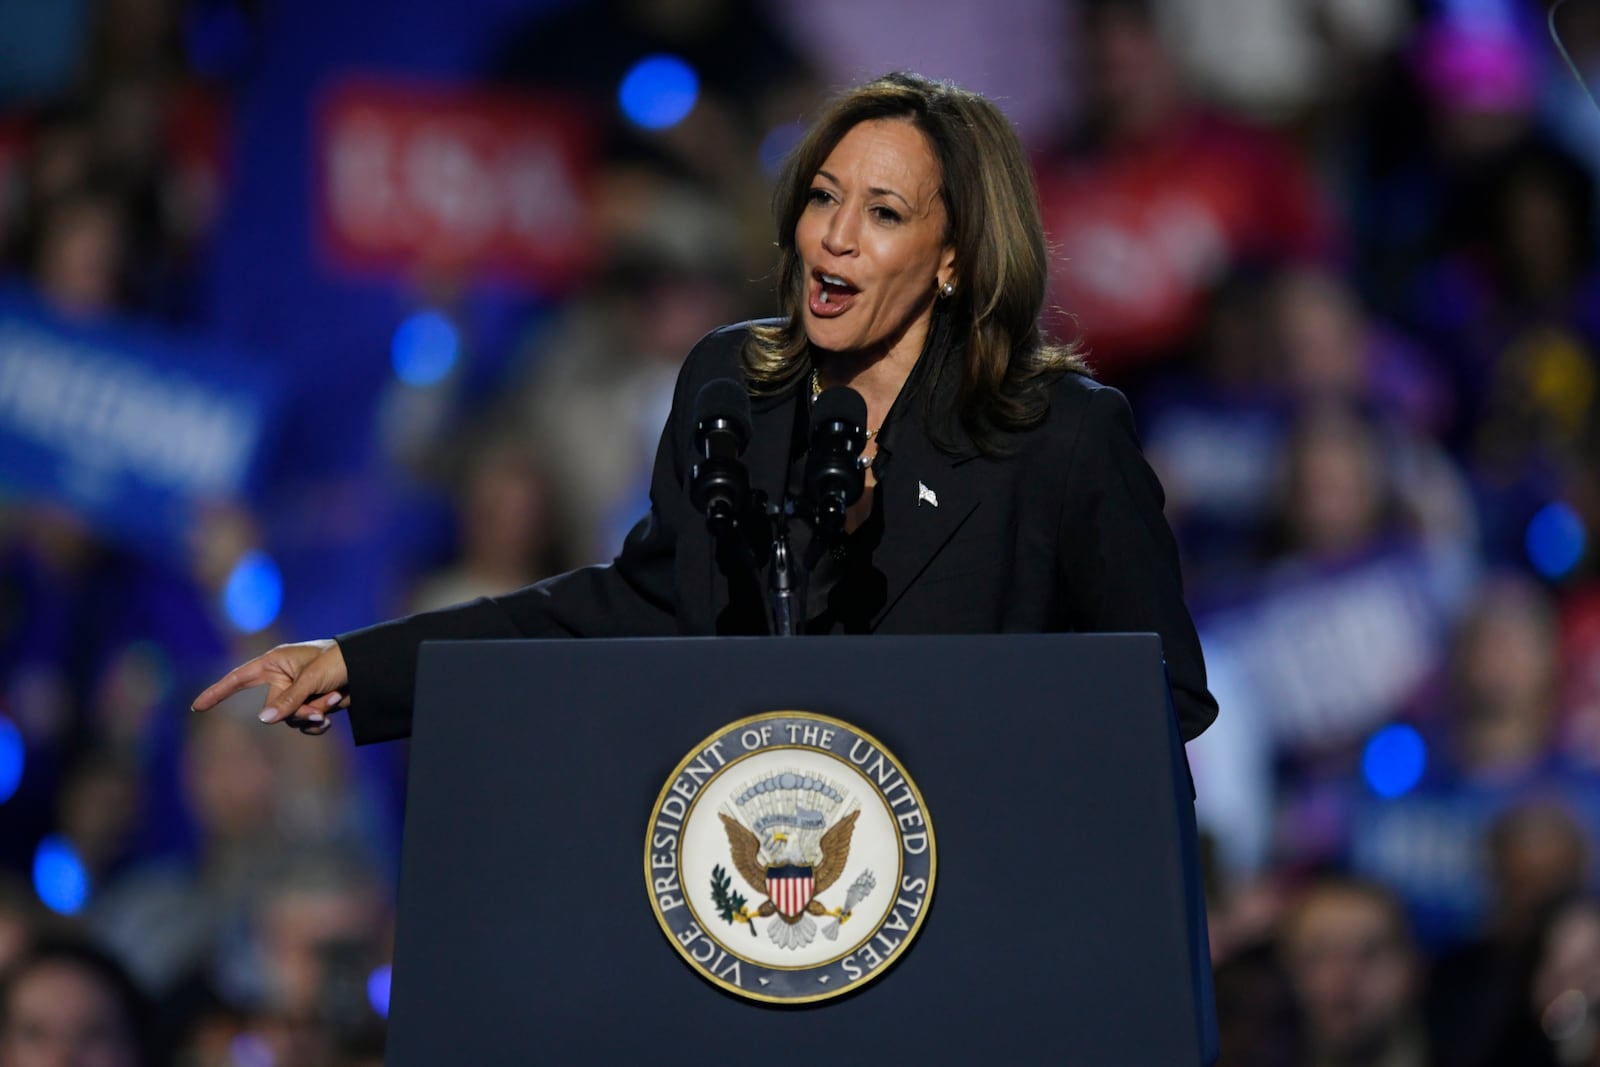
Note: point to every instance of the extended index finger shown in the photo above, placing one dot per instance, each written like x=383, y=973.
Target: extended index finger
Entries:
x=245, y=676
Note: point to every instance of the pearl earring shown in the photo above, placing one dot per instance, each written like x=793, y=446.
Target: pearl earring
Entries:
x=947, y=290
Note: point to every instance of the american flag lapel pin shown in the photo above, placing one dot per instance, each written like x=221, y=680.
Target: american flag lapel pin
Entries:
x=926, y=494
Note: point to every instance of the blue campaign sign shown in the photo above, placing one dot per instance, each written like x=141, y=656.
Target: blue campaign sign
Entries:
x=1331, y=650
x=130, y=427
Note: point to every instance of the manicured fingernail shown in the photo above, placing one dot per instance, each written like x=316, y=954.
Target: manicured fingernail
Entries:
x=268, y=714
x=334, y=698
x=315, y=717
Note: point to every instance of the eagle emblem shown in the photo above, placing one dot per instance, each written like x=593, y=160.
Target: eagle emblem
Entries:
x=790, y=813
x=788, y=847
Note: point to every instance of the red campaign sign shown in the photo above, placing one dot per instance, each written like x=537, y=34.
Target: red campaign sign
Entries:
x=494, y=182
x=1143, y=232
x=1135, y=258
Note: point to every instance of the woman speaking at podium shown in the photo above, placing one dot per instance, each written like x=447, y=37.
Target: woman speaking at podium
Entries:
x=1005, y=490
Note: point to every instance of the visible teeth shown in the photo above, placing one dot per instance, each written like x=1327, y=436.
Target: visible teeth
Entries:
x=824, y=296
x=833, y=279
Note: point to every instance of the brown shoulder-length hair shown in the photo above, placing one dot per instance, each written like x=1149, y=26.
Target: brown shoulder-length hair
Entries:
x=991, y=364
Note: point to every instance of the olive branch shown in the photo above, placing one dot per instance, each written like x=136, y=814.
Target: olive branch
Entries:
x=729, y=902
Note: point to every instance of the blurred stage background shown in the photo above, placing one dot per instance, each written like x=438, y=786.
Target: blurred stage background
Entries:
x=318, y=311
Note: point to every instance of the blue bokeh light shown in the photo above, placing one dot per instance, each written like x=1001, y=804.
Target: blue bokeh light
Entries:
x=1555, y=540
x=59, y=878
x=13, y=757
x=659, y=92
x=378, y=983
x=424, y=349
x=253, y=594
x=1394, y=760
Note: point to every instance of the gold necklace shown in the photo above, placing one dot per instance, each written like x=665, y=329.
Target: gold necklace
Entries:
x=816, y=391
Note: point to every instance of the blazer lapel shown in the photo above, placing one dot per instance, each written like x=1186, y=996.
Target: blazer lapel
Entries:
x=925, y=496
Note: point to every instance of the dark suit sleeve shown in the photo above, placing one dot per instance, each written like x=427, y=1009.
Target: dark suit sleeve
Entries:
x=634, y=596
x=1118, y=557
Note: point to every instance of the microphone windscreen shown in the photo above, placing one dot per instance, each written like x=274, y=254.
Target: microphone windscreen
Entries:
x=724, y=398
x=840, y=404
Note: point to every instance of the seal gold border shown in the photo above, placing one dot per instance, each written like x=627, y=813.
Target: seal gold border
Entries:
x=697, y=753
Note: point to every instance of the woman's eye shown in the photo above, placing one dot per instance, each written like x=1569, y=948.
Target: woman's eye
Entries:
x=886, y=214
x=819, y=196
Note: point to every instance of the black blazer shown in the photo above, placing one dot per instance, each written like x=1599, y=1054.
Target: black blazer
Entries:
x=1065, y=534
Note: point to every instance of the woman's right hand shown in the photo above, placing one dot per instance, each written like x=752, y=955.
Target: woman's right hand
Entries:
x=305, y=683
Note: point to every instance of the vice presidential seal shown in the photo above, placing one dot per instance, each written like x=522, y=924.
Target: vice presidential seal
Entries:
x=790, y=858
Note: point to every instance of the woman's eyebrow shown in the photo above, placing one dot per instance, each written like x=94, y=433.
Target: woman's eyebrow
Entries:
x=876, y=190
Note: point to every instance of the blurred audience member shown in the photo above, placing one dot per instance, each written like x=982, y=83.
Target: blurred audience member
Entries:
x=320, y=929
x=1357, y=977
x=1504, y=720
x=1337, y=498
x=1526, y=329
x=600, y=380
x=203, y=934
x=1212, y=429
x=69, y=1003
x=1331, y=350
x=48, y=566
x=505, y=538
x=100, y=812
x=173, y=920
x=1561, y=1024
x=1458, y=100
x=1537, y=856
x=1333, y=354
x=134, y=39
x=57, y=156
x=1256, y=1010
x=106, y=213
x=1157, y=199
x=1494, y=734
x=20, y=923
x=1477, y=70
x=78, y=260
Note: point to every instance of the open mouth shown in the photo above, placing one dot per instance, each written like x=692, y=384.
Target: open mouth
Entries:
x=830, y=294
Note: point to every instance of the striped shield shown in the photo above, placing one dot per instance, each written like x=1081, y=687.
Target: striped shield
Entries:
x=790, y=889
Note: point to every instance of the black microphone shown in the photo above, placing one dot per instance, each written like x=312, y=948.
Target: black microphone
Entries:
x=834, y=477
x=719, y=485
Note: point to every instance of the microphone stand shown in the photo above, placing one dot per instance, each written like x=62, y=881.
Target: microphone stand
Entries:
x=785, y=577
x=788, y=573
x=832, y=481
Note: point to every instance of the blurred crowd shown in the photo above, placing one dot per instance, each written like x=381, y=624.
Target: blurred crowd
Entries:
x=1341, y=254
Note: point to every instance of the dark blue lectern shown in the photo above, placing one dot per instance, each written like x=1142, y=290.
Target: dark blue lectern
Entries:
x=1066, y=926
